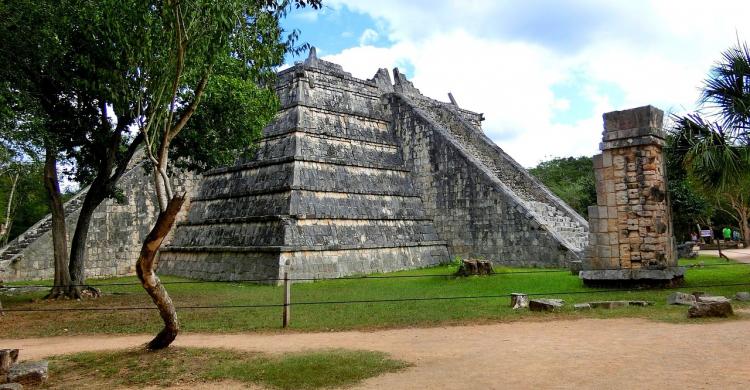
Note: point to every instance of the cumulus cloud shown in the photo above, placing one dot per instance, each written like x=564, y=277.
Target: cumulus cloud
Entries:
x=368, y=36
x=508, y=59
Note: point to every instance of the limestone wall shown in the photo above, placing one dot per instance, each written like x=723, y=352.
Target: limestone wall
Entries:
x=325, y=195
x=115, y=237
x=471, y=209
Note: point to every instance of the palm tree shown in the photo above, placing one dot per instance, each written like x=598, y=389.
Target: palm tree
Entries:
x=716, y=152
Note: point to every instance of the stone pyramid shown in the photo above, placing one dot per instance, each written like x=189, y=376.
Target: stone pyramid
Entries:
x=353, y=176
x=327, y=193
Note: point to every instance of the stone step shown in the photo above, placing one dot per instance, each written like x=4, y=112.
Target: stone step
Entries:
x=553, y=218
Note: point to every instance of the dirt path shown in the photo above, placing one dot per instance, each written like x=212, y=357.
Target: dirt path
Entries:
x=741, y=255
x=581, y=354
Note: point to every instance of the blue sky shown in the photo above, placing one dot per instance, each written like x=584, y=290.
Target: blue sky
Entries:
x=542, y=71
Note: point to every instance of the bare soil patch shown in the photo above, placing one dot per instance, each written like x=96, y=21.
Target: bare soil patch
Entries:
x=581, y=354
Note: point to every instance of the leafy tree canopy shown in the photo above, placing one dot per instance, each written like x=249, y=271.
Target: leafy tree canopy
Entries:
x=571, y=179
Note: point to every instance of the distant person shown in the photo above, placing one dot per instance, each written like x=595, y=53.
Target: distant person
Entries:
x=735, y=235
x=727, y=233
x=694, y=237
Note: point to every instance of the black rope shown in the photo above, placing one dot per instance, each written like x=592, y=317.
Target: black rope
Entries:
x=390, y=300
x=364, y=277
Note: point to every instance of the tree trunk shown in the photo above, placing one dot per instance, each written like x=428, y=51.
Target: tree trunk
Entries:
x=78, y=252
x=62, y=283
x=108, y=174
x=5, y=227
x=745, y=230
x=145, y=268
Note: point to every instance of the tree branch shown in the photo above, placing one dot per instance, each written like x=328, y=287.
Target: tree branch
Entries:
x=191, y=108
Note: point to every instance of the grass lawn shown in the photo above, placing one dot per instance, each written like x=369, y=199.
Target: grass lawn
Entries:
x=547, y=283
x=193, y=366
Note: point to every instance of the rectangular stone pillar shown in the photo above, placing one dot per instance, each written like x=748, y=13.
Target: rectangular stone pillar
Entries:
x=630, y=239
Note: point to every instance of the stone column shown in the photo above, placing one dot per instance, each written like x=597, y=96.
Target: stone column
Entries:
x=630, y=239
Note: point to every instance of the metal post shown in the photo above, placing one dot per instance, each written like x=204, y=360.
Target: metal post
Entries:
x=287, y=299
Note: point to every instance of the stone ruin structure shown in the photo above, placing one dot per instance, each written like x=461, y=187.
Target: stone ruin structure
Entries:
x=353, y=176
x=630, y=239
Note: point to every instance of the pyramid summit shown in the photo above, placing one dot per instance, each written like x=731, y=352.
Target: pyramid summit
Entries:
x=354, y=176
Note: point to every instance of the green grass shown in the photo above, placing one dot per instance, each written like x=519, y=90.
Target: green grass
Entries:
x=549, y=283
x=191, y=366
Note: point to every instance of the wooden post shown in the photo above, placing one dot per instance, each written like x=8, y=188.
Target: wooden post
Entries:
x=7, y=358
x=287, y=299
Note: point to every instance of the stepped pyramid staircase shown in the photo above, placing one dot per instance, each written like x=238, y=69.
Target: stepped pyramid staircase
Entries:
x=462, y=129
x=326, y=195
x=12, y=252
x=352, y=177
x=549, y=210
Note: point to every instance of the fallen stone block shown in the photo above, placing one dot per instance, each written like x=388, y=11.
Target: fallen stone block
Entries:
x=710, y=309
x=609, y=304
x=11, y=386
x=29, y=373
x=679, y=298
x=709, y=299
x=544, y=304
x=582, y=306
x=742, y=296
x=698, y=294
x=640, y=303
x=475, y=267
x=519, y=300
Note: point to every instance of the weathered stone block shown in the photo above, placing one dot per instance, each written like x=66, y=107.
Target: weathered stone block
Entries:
x=711, y=299
x=544, y=304
x=609, y=304
x=710, y=309
x=29, y=373
x=679, y=298
x=519, y=301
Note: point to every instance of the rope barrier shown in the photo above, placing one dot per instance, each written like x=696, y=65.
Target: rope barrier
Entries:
x=343, y=302
x=364, y=277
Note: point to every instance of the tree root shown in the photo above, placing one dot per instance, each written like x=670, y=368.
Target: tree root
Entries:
x=76, y=293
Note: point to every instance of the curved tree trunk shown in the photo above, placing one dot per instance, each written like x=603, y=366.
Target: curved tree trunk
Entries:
x=63, y=285
x=145, y=268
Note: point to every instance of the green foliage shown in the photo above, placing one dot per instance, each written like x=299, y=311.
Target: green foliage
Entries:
x=728, y=90
x=571, y=179
x=689, y=205
x=715, y=153
x=174, y=366
x=30, y=198
x=229, y=119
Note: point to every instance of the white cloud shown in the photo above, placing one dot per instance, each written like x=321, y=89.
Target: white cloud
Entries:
x=368, y=36
x=505, y=58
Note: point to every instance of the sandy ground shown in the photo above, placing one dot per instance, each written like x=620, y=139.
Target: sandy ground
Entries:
x=580, y=354
x=741, y=255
